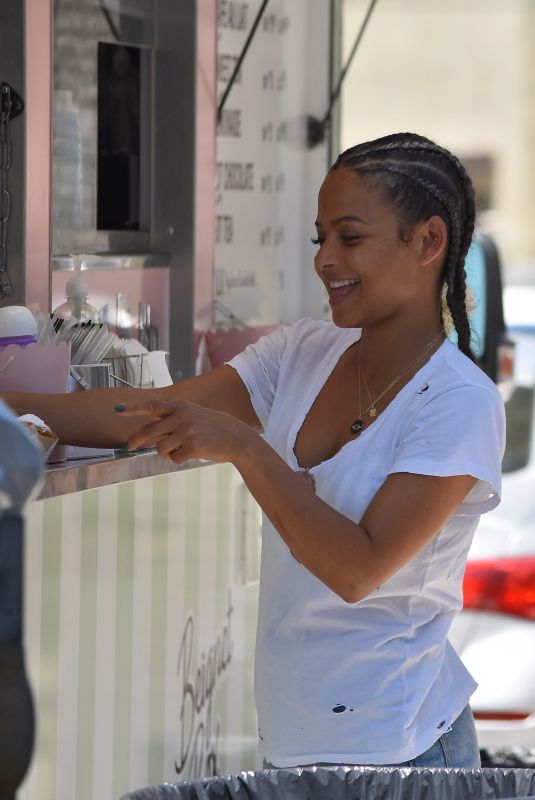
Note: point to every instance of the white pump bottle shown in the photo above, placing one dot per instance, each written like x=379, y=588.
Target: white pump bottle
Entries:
x=76, y=310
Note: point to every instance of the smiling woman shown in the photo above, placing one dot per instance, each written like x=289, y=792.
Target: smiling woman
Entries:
x=367, y=267
x=381, y=447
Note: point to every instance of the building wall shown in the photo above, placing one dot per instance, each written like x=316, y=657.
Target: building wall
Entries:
x=463, y=74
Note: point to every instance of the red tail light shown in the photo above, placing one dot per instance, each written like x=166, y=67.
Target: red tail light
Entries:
x=500, y=716
x=506, y=585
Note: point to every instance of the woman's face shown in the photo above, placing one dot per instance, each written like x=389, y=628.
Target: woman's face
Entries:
x=369, y=272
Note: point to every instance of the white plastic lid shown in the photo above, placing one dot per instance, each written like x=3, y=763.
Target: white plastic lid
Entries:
x=17, y=321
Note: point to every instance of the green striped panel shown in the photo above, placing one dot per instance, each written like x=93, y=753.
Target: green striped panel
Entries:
x=47, y=691
x=176, y=569
x=160, y=546
x=223, y=581
x=86, y=664
x=224, y=576
x=207, y=497
x=103, y=755
x=123, y=652
x=249, y=726
x=192, y=566
x=192, y=501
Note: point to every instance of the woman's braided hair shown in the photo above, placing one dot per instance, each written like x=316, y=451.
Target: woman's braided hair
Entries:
x=419, y=179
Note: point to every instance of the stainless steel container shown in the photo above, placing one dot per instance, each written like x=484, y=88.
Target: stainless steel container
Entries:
x=88, y=376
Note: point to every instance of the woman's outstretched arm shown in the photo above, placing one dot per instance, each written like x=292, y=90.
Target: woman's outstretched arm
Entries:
x=88, y=419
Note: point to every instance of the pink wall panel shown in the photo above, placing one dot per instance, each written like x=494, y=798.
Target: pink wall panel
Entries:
x=38, y=21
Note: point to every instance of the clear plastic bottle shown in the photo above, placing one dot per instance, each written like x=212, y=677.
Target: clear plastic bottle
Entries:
x=76, y=310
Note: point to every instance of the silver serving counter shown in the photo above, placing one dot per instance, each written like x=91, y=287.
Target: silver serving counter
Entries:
x=77, y=475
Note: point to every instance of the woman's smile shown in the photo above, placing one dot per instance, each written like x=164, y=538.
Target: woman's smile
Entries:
x=341, y=290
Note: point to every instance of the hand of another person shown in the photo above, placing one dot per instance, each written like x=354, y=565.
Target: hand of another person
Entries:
x=182, y=430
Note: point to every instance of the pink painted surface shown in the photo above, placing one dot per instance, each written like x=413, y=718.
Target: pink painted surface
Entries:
x=38, y=50
x=222, y=345
x=205, y=159
x=35, y=368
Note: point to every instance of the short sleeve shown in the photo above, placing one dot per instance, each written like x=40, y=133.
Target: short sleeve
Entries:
x=459, y=432
x=258, y=367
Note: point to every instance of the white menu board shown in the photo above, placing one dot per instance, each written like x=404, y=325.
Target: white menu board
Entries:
x=266, y=175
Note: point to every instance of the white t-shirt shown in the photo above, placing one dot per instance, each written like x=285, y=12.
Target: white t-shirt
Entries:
x=372, y=682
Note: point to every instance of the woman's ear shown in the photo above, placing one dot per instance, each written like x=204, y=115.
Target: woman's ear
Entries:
x=430, y=239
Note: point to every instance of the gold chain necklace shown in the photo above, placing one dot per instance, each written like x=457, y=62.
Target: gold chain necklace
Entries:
x=358, y=424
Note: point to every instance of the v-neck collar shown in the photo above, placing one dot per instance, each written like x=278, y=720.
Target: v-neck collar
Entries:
x=319, y=383
x=311, y=396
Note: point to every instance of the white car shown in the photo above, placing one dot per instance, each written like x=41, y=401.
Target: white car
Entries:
x=495, y=632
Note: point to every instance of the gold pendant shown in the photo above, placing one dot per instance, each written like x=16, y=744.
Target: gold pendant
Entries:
x=373, y=411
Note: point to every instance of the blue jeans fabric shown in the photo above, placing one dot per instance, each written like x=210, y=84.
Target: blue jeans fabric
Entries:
x=457, y=747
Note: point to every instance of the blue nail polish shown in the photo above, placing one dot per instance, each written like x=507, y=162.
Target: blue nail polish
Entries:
x=120, y=407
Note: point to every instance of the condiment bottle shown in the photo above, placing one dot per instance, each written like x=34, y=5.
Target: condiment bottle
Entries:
x=76, y=310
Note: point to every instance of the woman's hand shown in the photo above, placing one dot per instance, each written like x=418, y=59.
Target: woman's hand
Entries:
x=181, y=431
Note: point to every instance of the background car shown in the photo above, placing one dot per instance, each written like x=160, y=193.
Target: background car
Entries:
x=495, y=632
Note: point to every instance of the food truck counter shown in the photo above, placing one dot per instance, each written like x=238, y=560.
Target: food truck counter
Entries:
x=140, y=606
x=77, y=475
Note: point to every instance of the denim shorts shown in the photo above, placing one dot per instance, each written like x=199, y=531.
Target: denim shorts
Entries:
x=457, y=747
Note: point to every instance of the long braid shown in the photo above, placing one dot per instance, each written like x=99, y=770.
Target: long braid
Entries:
x=426, y=179
x=456, y=293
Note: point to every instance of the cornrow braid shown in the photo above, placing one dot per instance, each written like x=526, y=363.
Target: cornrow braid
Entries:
x=430, y=187
x=409, y=145
x=419, y=179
